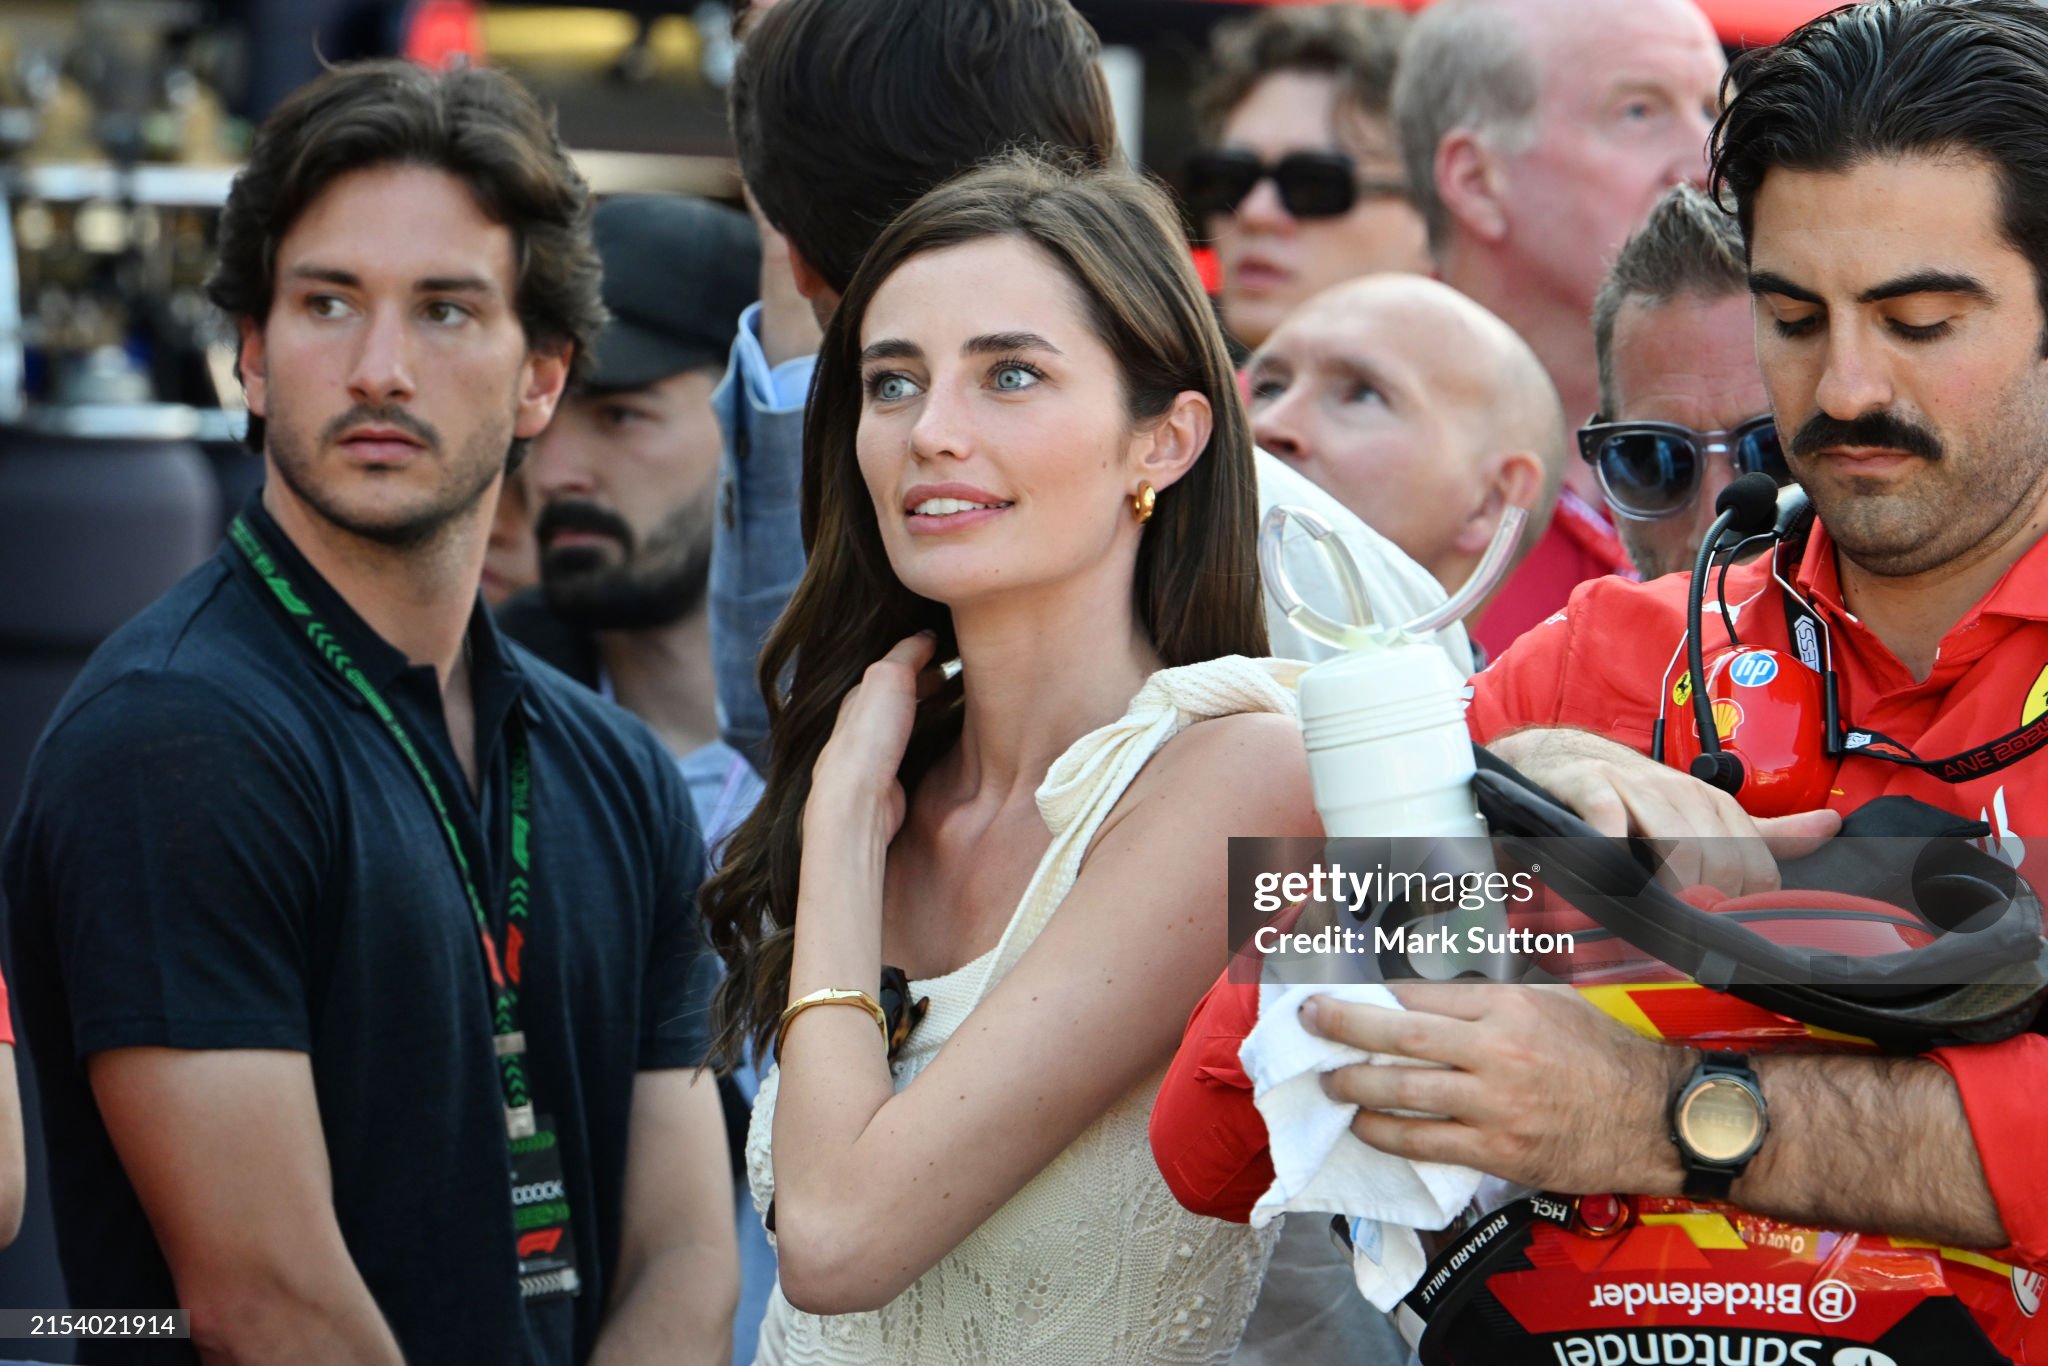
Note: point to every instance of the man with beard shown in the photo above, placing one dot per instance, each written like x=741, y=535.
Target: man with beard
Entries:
x=627, y=480
x=357, y=948
x=1899, y=269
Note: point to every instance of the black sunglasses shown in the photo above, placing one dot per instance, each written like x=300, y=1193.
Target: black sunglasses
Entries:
x=1651, y=470
x=1311, y=184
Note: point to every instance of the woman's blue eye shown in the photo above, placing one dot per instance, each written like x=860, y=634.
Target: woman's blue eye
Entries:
x=891, y=387
x=1015, y=377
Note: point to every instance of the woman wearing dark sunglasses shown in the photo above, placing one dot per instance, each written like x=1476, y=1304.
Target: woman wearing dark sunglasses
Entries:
x=1301, y=185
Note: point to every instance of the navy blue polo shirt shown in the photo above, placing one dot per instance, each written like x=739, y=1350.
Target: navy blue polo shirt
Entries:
x=221, y=847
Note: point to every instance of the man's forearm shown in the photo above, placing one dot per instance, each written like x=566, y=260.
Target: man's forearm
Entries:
x=257, y=1326
x=1877, y=1144
x=677, y=1309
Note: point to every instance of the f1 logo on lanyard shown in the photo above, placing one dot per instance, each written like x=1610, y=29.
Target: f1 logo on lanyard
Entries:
x=540, y=1216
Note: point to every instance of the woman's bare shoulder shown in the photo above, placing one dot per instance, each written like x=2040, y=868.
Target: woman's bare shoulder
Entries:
x=1247, y=772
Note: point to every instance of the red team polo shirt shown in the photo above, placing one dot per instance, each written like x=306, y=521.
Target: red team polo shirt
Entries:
x=1599, y=666
x=1579, y=544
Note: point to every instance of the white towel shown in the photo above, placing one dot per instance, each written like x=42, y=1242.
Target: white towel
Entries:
x=1320, y=1165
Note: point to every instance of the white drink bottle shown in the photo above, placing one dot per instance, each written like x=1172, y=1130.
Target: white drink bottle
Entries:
x=1384, y=725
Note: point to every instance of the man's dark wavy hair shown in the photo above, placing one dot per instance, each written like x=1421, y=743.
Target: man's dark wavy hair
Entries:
x=846, y=112
x=1894, y=78
x=478, y=125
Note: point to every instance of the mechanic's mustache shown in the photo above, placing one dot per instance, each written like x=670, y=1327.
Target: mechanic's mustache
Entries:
x=381, y=415
x=1881, y=429
x=566, y=515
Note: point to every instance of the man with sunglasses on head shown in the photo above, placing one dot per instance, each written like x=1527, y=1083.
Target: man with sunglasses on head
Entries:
x=1683, y=409
x=1301, y=185
x=1537, y=135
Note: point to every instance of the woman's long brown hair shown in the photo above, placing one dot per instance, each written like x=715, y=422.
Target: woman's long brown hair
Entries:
x=1196, y=587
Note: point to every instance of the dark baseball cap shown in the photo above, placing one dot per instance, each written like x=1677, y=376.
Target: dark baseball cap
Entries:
x=678, y=270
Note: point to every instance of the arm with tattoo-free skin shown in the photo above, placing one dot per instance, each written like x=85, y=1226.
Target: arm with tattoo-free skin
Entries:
x=679, y=1274
x=1535, y=1085
x=1091, y=1011
x=228, y=1158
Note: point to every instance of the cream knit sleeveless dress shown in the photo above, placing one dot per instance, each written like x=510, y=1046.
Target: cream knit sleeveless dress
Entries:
x=1093, y=1262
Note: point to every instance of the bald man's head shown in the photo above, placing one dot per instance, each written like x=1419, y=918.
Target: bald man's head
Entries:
x=1417, y=409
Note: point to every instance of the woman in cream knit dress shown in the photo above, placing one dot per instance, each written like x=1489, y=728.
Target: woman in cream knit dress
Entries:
x=1025, y=449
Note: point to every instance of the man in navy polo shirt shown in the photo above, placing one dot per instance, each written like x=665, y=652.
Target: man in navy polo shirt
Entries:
x=357, y=947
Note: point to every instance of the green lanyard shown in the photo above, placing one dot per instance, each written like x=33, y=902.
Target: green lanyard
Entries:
x=503, y=968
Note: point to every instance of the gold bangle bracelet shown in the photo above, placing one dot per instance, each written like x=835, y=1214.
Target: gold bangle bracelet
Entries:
x=832, y=996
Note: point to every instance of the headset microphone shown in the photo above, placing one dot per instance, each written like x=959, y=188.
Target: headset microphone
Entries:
x=1748, y=506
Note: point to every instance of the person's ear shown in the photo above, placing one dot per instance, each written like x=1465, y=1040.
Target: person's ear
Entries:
x=250, y=364
x=547, y=373
x=1515, y=480
x=810, y=282
x=1471, y=182
x=1169, y=444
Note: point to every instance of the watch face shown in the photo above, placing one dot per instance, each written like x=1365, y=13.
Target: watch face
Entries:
x=1720, y=1120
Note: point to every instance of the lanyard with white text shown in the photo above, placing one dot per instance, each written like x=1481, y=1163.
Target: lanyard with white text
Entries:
x=502, y=968
x=1809, y=632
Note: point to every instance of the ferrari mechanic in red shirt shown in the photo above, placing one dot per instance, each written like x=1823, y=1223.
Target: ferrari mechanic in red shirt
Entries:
x=1899, y=271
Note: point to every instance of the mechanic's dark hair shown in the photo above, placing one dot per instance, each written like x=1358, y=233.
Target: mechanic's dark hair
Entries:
x=1893, y=78
x=478, y=125
x=847, y=113
x=1356, y=46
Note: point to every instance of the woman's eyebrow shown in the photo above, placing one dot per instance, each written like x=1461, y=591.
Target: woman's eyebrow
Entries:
x=997, y=342
x=890, y=348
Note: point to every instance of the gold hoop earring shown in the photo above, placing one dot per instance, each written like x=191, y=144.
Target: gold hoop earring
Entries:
x=1142, y=502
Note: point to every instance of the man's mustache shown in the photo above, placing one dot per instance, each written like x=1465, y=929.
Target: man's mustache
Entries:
x=565, y=515
x=380, y=415
x=1880, y=429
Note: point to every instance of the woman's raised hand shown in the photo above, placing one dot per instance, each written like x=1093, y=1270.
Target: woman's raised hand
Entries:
x=858, y=764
